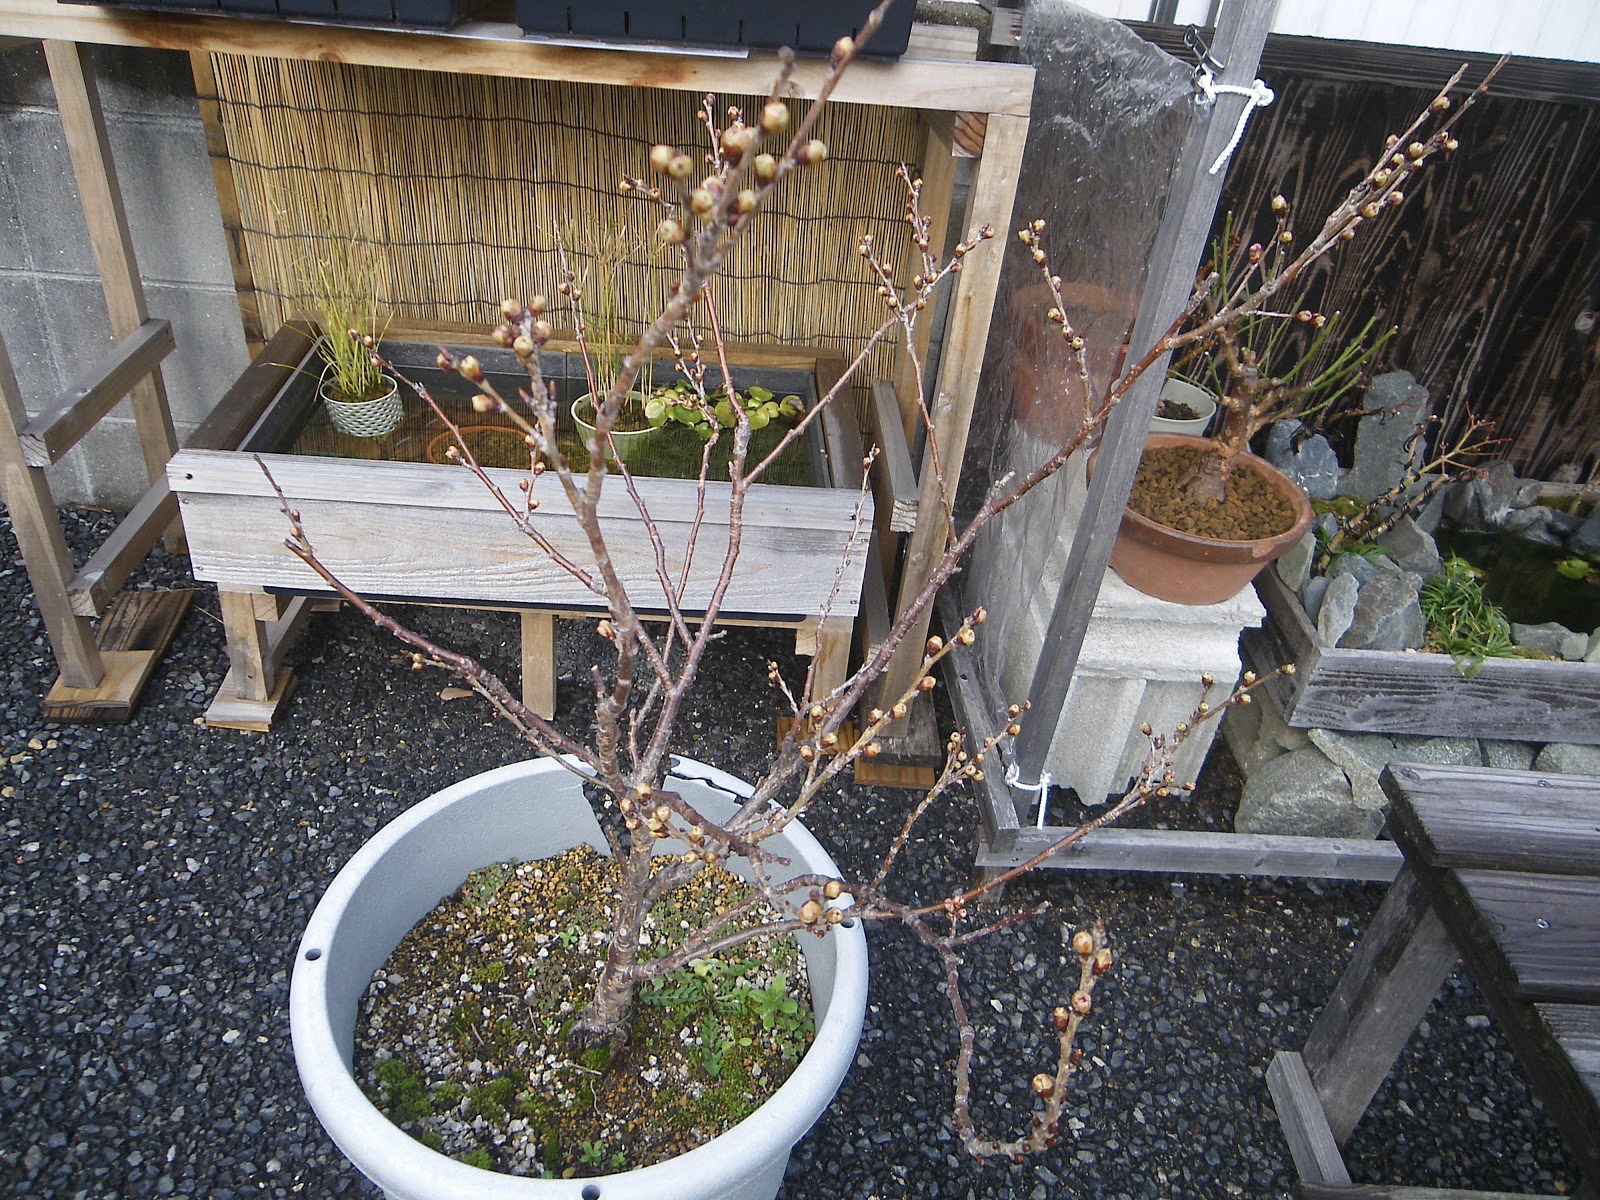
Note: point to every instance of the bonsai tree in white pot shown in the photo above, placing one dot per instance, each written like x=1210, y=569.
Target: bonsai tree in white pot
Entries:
x=661, y=831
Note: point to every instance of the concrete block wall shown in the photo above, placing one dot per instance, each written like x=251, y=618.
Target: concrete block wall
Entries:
x=52, y=311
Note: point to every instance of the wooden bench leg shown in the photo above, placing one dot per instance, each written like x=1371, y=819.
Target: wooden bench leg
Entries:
x=828, y=644
x=539, y=662
x=259, y=630
x=1395, y=974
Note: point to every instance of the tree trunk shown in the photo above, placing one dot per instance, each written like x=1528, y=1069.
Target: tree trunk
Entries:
x=604, y=1020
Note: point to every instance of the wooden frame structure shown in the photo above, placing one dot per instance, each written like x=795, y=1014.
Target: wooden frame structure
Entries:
x=970, y=109
x=104, y=671
x=1502, y=870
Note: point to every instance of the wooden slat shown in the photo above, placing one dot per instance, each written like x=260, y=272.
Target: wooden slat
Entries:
x=108, y=568
x=56, y=430
x=485, y=48
x=1576, y=1030
x=258, y=385
x=899, y=490
x=1393, y=977
x=1544, y=931
x=39, y=537
x=1385, y=1191
x=83, y=124
x=113, y=698
x=1502, y=820
x=428, y=532
x=1199, y=852
x=1311, y=1143
x=539, y=662
x=971, y=308
x=938, y=177
x=1370, y=691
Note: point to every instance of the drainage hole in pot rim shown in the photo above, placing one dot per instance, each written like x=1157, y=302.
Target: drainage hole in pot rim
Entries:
x=313, y=954
x=591, y=1192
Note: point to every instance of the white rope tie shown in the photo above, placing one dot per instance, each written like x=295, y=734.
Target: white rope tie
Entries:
x=1013, y=779
x=1257, y=95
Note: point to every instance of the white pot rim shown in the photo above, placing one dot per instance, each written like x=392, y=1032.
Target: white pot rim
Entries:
x=405, y=1167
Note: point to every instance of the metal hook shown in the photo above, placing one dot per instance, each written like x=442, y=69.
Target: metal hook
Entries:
x=1196, y=43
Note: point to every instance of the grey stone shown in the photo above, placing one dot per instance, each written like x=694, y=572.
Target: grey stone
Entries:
x=1311, y=596
x=1587, y=538
x=1257, y=733
x=1326, y=523
x=1360, y=756
x=1482, y=503
x=1564, y=758
x=1302, y=793
x=1364, y=569
x=1396, y=406
x=1294, y=568
x=1410, y=548
x=1309, y=461
x=1439, y=751
x=1338, y=609
x=1431, y=515
x=1563, y=524
x=1388, y=615
x=1534, y=524
x=1592, y=654
x=1553, y=639
x=1509, y=756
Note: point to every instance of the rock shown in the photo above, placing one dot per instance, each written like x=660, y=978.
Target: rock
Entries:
x=1411, y=548
x=1294, y=568
x=1396, y=406
x=1257, y=733
x=1553, y=639
x=1481, y=504
x=1302, y=793
x=1586, y=540
x=1432, y=514
x=1309, y=461
x=1363, y=568
x=1388, y=615
x=1311, y=596
x=1592, y=654
x=1563, y=524
x=1439, y=751
x=1338, y=609
x=1564, y=758
x=1535, y=524
x=1509, y=756
x=1360, y=756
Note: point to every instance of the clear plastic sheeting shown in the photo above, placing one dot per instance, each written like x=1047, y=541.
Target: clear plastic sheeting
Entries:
x=1109, y=116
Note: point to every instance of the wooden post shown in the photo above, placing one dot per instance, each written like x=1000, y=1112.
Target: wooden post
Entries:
x=971, y=308
x=1395, y=974
x=539, y=661
x=44, y=549
x=1241, y=33
x=83, y=122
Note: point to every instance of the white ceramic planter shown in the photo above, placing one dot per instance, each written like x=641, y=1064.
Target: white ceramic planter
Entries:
x=525, y=811
x=624, y=442
x=365, y=418
x=1181, y=391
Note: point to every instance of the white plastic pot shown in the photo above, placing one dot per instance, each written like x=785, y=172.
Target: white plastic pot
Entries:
x=1181, y=391
x=526, y=811
x=623, y=442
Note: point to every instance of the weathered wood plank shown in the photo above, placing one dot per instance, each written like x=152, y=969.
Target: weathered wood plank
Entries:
x=1311, y=1144
x=1542, y=932
x=108, y=568
x=89, y=146
x=1386, y=1191
x=1392, y=978
x=539, y=662
x=1371, y=691
x=112, y=699
x=1190, y=851
x=428, y=532
x=1576, y=1030
x=486, y=48
x=1502, y=820
x=39, y=537
x=56, y=430
x=258, y=385
x=898, y=477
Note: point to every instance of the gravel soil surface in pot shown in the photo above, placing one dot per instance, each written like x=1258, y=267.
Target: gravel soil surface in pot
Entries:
x=1251, y=508
x=155, y=877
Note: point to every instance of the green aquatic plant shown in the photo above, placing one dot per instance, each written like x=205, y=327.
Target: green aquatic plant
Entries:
x=1462, y=621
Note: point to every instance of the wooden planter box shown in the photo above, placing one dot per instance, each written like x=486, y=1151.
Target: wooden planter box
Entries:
x=812, y=28
x=432, y=533
x=1376, y=691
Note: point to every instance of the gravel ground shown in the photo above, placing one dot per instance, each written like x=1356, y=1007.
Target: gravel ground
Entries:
x=154, y=878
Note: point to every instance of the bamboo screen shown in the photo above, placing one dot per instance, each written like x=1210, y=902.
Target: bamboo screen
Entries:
x=460, y=182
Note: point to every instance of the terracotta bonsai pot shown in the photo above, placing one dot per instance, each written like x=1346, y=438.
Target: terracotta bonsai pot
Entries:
x=1171, y=565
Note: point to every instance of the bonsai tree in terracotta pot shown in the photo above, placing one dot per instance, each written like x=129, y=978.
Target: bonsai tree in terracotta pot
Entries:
x=649, y=813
